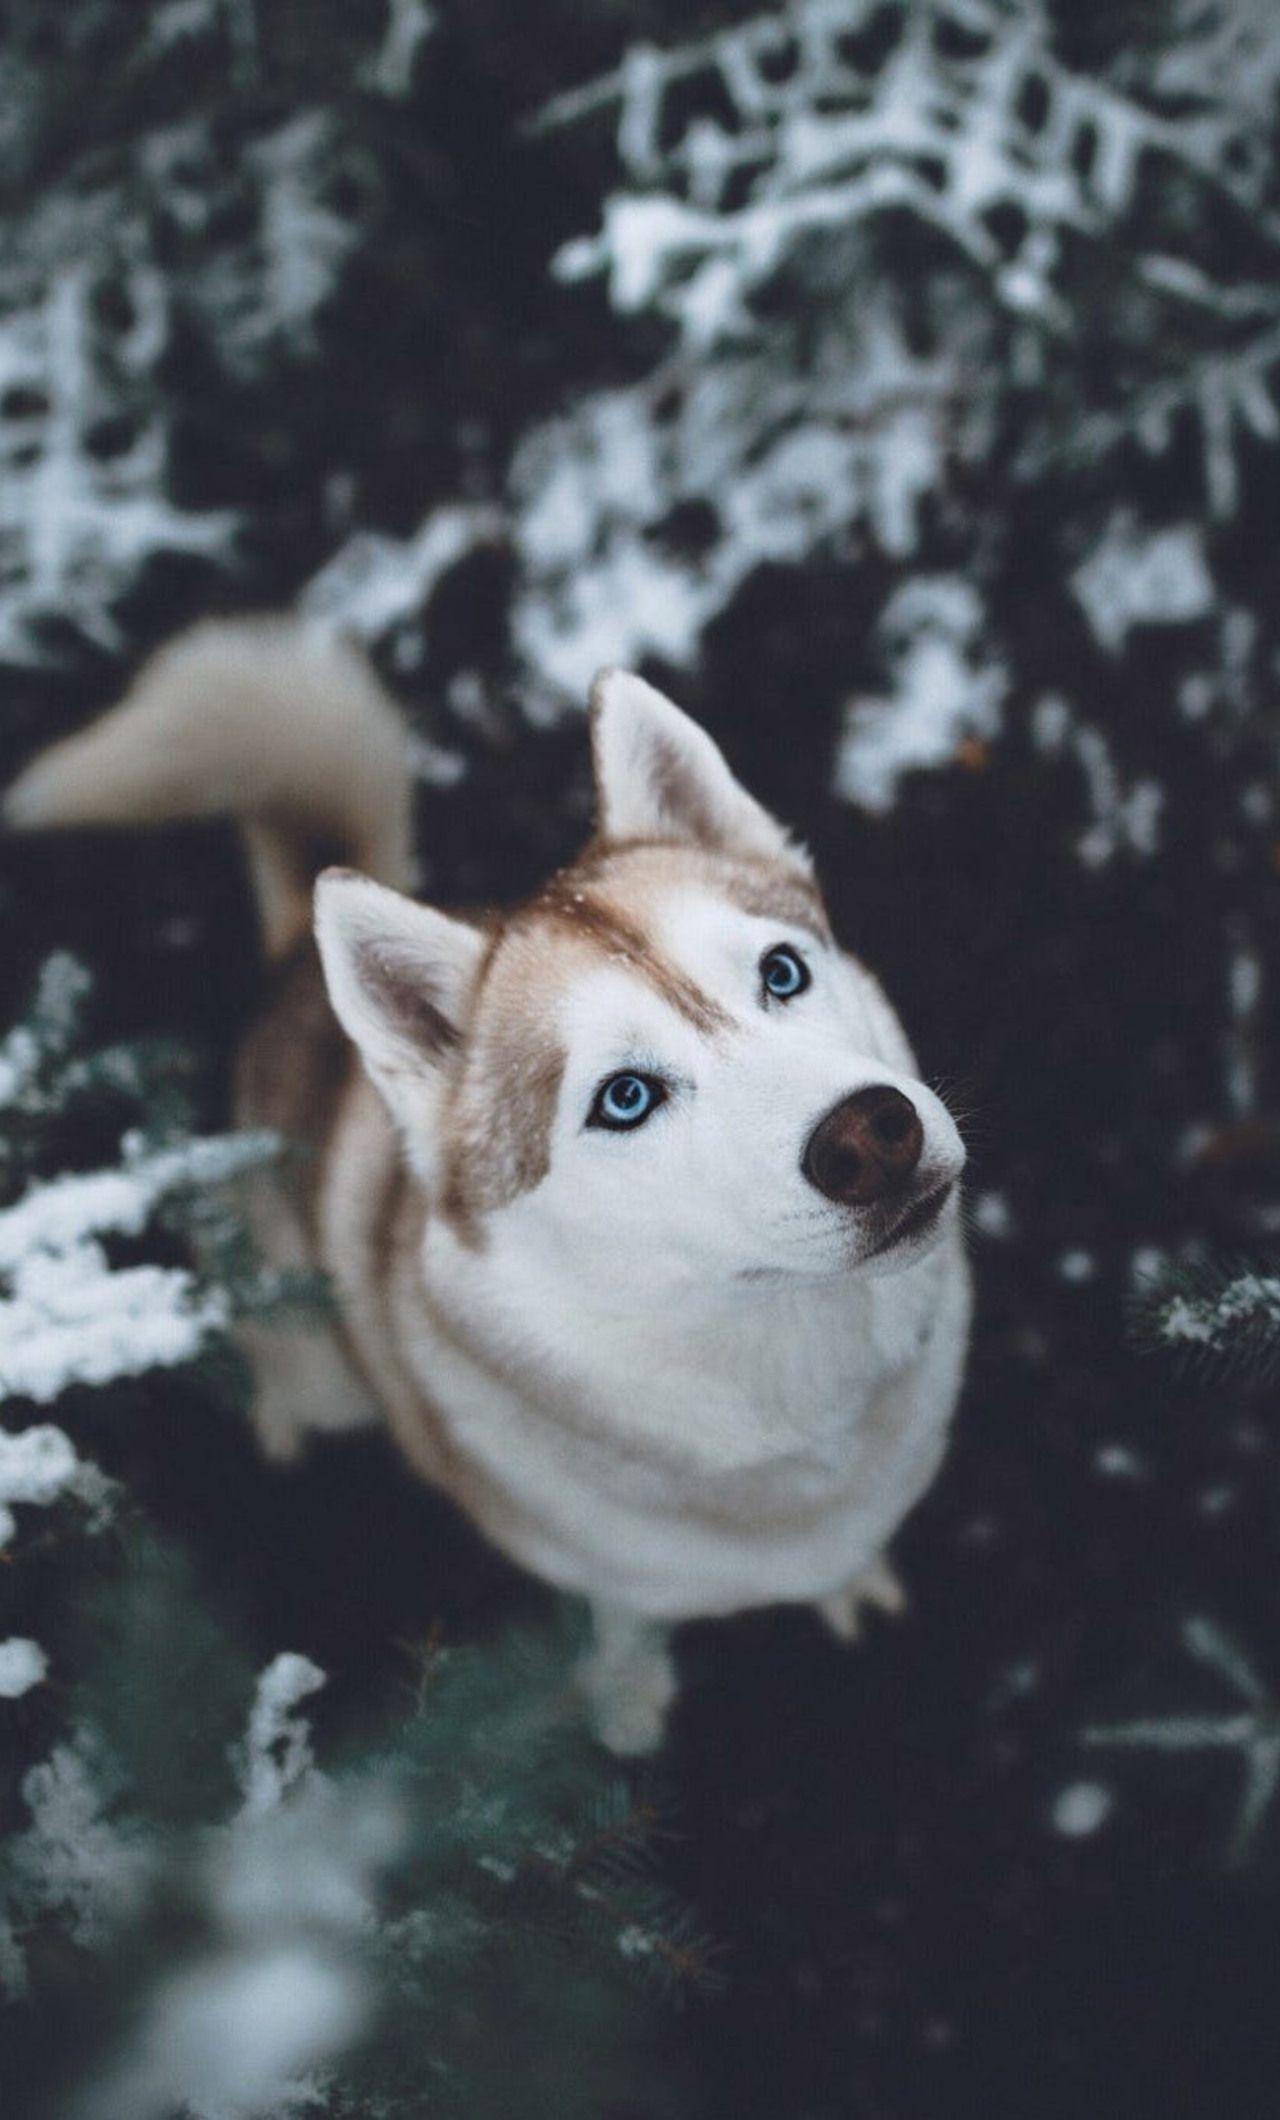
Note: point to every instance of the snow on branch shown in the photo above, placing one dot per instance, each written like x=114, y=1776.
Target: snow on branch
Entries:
x=373, y=583
x=945, y=693
x=277, y=1749
x=390, y=70
x=778, y=147
x=57, y=1216
x=1229, y=393
x=35, y=1047
x=1248, y=1303
x=767, y=464
x=37, y=1467
x=67, y=1316
x=832, y=112
x=1249, y=1727
x=1207, y=1310
x=228, y=238
x=82, y=468
x=23, y=1664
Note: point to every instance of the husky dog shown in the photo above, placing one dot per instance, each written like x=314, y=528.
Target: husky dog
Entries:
x=643, y=1227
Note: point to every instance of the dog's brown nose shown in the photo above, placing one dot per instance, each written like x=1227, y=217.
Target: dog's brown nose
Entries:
x=866, y=1148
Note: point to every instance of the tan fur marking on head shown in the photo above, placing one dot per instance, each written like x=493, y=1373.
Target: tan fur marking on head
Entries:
x=765, y=889
x=505, y=1148
x=769, y=894
x=593, y=919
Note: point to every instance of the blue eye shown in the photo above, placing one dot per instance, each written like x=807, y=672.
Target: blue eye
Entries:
x=625, y=1100
x=783, y=973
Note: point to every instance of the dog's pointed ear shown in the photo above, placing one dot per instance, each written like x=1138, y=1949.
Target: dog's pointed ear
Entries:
x=399, y=975
x=659, y=776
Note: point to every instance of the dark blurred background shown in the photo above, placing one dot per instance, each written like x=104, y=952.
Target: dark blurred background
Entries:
x=895, y=385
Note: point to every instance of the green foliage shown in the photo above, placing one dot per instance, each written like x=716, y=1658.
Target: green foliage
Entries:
x=1212, y=1315
x=195, y=1916
x=470, y=1875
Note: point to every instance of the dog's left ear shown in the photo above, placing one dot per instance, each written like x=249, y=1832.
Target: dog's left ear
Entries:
x=659, y=776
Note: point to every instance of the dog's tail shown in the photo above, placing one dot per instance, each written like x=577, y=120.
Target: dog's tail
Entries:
x=267, y=720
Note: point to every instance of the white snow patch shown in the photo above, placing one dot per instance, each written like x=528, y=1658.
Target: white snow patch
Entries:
x=75, y=529
x=230, y=2039
x=67, y=1317
x=1117, y=1462
x=57, y=1215
x=992, y=1216
x=1136, y=576
x=1244, y=994
x=1249, y=1300
x=435, y=763
x=277, y=1753
x=374, y=583
x=23, y=1664
x=824, y=144
x=36, y=1466
x=1051, y=720
x=1216, y=1501
x=302, y=243
x=1128, y=820
x=769, y=471
x=71, y=1320
x=1123, y=819
x=71, y=1860
x=390, y=70
x=1146, y=1264
x=1081, y=1809
x=942, y=693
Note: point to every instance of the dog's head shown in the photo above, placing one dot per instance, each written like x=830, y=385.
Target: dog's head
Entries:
x=662, y=1065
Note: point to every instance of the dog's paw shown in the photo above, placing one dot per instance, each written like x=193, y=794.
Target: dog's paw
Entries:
x=878, y=1586
x=628, y=1699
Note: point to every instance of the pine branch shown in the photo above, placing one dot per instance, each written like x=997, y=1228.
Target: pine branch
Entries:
x=1213, y=1316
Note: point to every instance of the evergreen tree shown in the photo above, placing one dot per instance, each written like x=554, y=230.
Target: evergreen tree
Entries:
x=194, y=1916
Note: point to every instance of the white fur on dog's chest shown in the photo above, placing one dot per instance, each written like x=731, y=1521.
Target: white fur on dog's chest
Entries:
x=762, y=1453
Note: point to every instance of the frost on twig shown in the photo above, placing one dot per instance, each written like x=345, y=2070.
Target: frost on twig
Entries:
x=72, y=1863
x=1137, y=576
x=277, y=1748
x=37, y=1467
x=374, y=583
x=945, y=696
x=232, y=238
x=389, y=71
x=66, y=1315
x=769, y=157
x=640, y=513
x=954, y=111
x=23, y=1664
x=83, y=466
x=1213, y=1312
x=1251, y=1731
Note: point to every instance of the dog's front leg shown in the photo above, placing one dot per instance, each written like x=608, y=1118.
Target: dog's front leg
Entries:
x=628, y=1678
x=877, y=1585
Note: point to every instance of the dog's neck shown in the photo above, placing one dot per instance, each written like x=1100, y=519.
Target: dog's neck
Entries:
x=727, y=1373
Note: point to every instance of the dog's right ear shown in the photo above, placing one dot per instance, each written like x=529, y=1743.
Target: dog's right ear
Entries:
x=399, y=975
x=659, y=776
